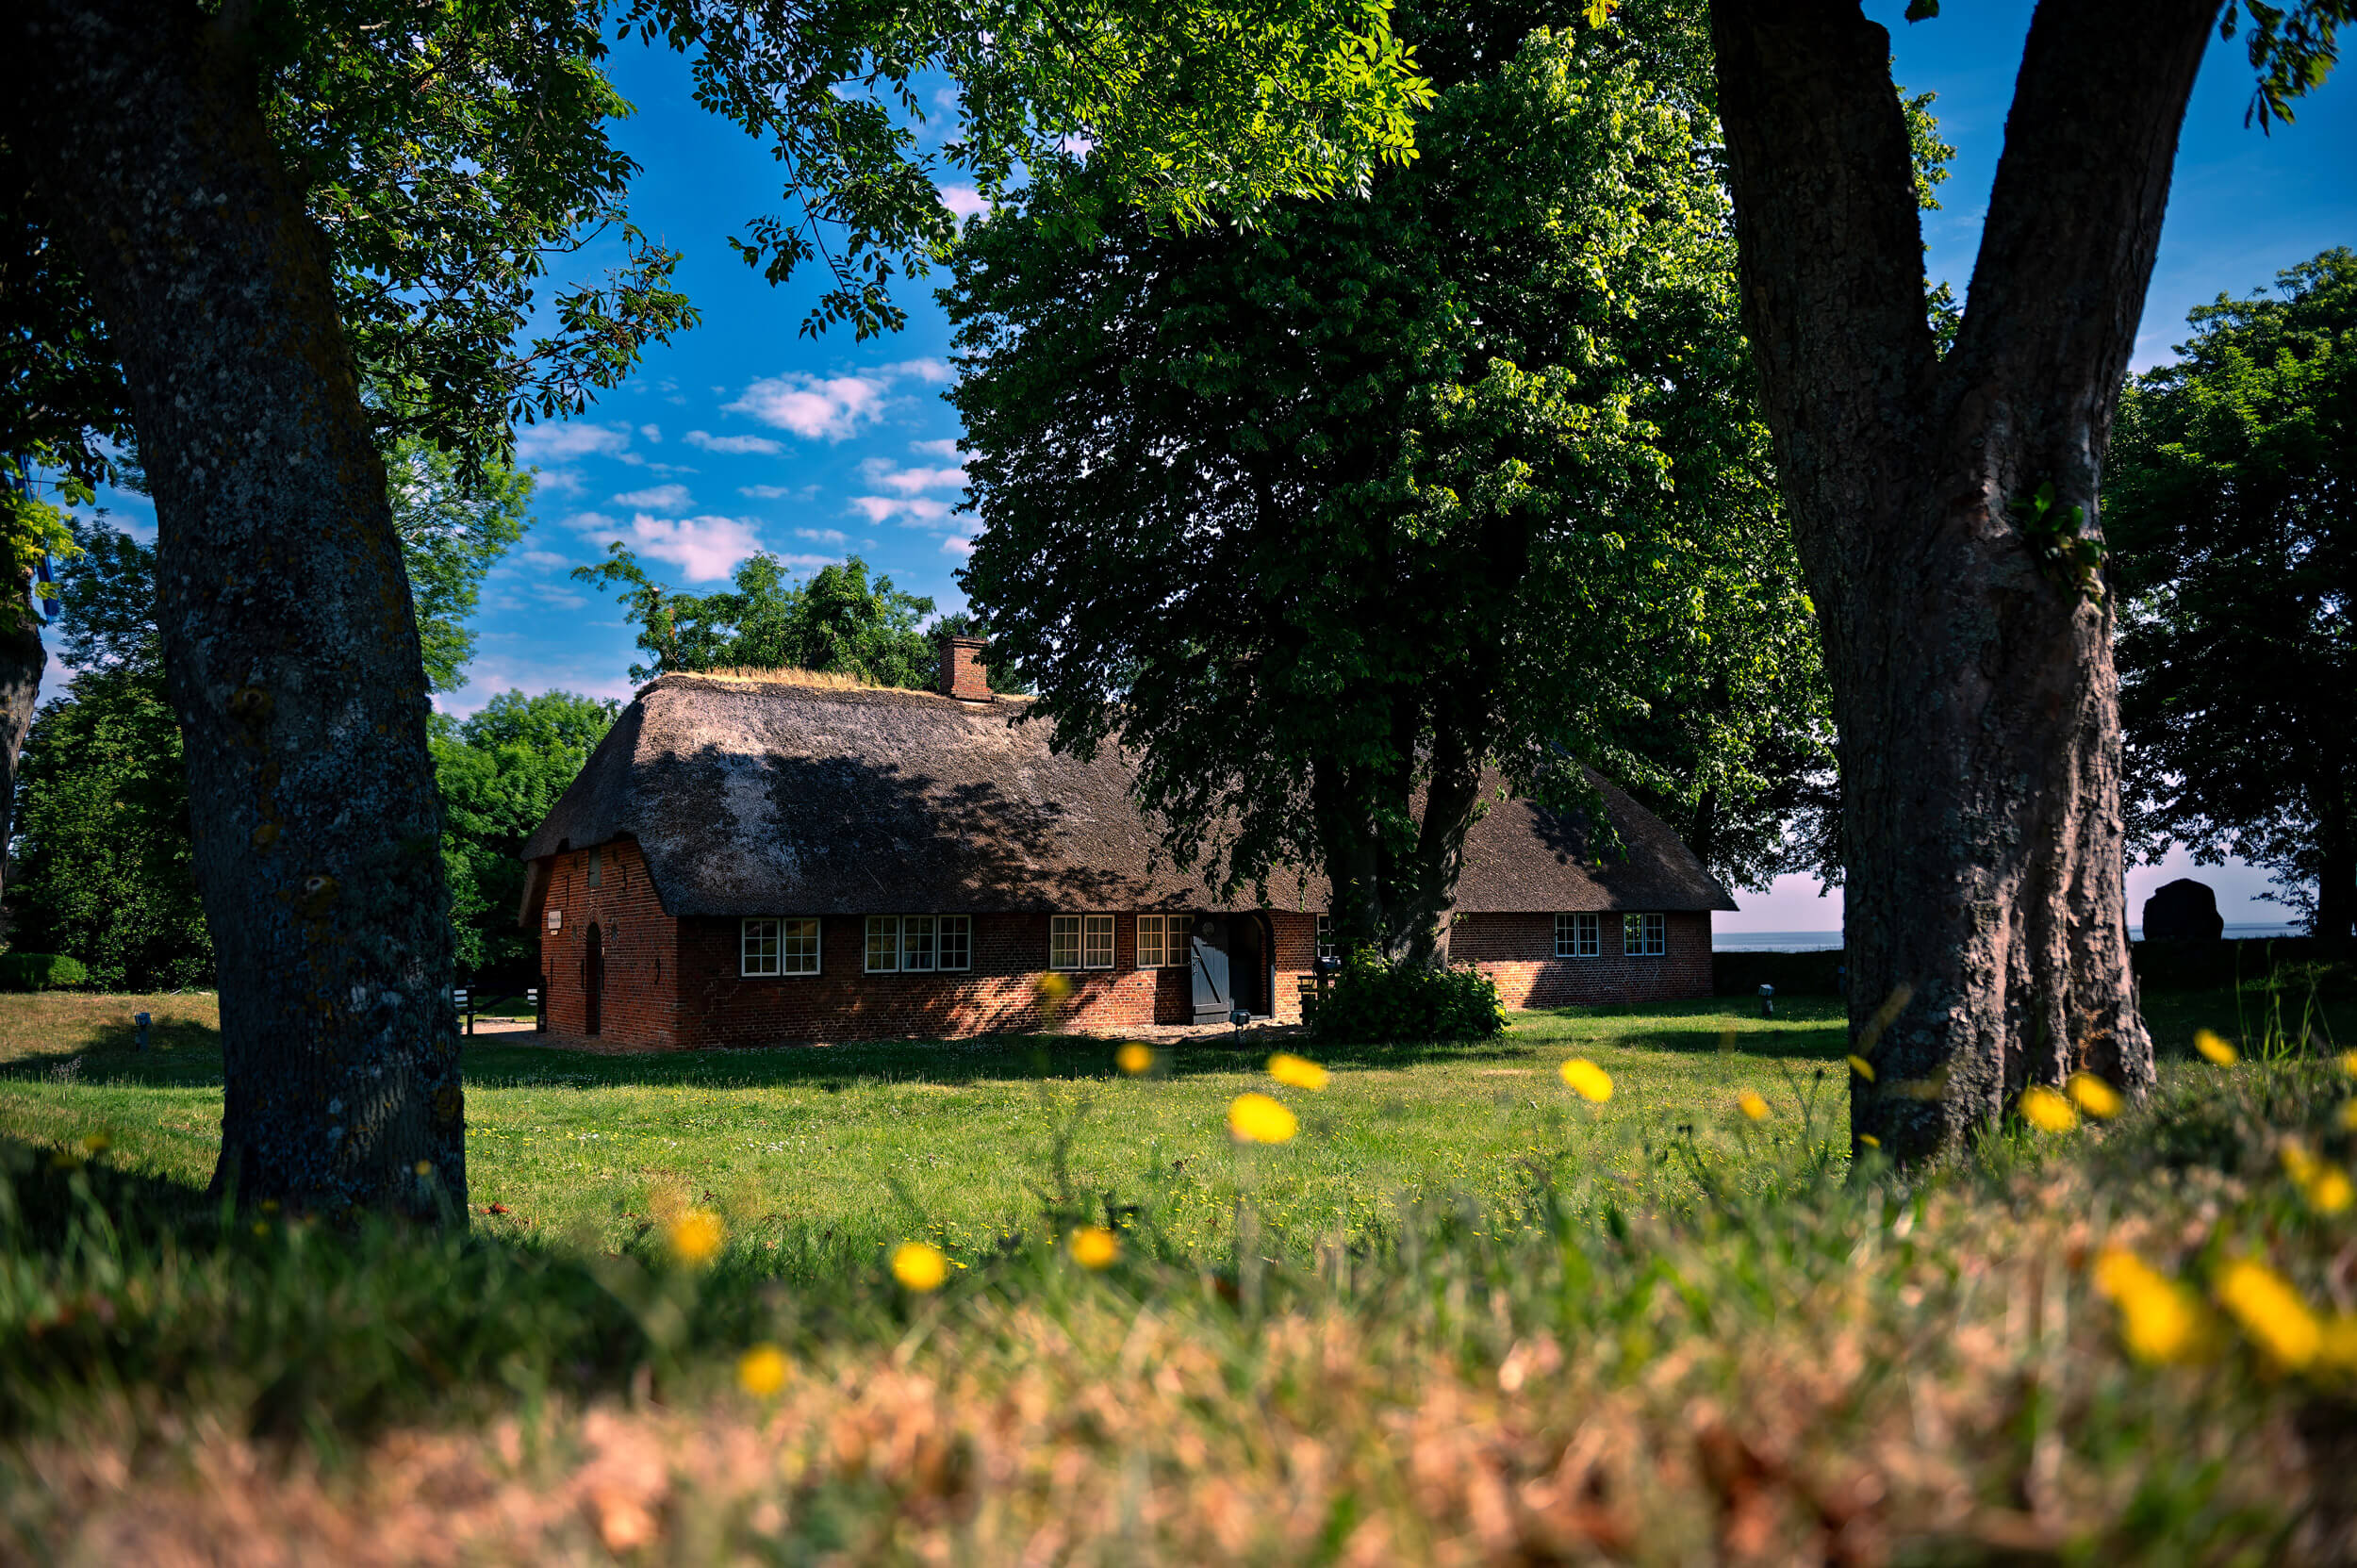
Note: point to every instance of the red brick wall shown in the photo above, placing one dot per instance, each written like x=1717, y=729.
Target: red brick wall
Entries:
x=1518, y=952
x=674, y=982
x=640, y=945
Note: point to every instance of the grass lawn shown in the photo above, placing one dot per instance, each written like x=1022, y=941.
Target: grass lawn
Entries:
x=816, y=1157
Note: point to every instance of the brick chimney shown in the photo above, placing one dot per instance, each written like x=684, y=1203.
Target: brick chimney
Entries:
x=962, y=675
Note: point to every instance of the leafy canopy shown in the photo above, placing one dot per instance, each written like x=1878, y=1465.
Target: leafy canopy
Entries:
x=1321, y=515
x=837, y=621
x=2228, y=505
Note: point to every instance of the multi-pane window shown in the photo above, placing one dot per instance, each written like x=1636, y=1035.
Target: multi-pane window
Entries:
x=919, y=944
x=778, y=947
x=1325, y=936
x=1160, y=938
x=1578, y=935
x=1079, y=941
x=1645, y=935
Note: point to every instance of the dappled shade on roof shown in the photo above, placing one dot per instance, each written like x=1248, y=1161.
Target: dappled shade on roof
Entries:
x=753, y=798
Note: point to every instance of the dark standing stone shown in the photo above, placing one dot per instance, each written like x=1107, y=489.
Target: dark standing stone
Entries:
x=2183, y=911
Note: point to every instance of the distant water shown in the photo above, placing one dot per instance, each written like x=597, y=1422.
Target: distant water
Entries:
x=1817, y=941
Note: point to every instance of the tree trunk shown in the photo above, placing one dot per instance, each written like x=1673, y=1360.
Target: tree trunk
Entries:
x=2336, y=883
x=1967, y=637
x=22, y=660
x=290, y=645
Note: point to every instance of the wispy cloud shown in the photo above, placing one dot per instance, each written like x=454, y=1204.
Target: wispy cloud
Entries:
x=964, y=200
x=557, y=443
x=652, y=432
x=817, y=408
x=706, y=549
x=734, y=445
x=831, y=536
x=912, y=511
x=546, y=558
x=911, y=481
x=947, y=450
x=932, y=372
x=658, y=498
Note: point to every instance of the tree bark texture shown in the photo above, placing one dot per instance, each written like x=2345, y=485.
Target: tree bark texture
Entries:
x=22, y=660
x=291, y=648
x=1970, y=656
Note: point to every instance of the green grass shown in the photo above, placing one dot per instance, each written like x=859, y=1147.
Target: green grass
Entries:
x=1548, y=1335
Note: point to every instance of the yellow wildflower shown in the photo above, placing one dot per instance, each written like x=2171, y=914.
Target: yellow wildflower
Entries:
x=1297, y=1071
x=96, y=1145
x=1864, y=1068
x=2337, y=1347
x=763, y=1371
x=2329, y=1191
x=1255, y=1118
x=2046, y=1110
x=2349, y=1117
x=1094, y=1246
x=2271, y=1311
x=1053, y=987
x=1752, y=1105
x=2159, y=1319
x=2093, y=1096
x=2349, y=1063
x=423, y=1167
x=1870, y=1140
x=1592, y=1082
x=919, y=1266
x=695, y=1237
x=2214, y=1046
x=1136, y=1058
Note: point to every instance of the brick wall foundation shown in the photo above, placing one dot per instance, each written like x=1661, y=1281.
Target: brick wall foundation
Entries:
x=1518, y=952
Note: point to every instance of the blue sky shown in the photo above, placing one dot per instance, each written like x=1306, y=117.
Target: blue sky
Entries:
x=746, y=435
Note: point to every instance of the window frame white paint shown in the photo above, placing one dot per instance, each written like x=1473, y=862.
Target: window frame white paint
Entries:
x=782, y=942
x=1092, y=927
x=1652, y=931
x=1579, y=933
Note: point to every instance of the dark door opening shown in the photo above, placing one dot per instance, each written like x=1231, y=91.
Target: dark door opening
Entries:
x=1246, y=965
x=593, y=983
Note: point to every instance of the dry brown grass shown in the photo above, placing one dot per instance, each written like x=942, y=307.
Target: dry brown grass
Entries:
x=787, y=675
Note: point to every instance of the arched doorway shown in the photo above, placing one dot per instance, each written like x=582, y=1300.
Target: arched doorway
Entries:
x=593, y=982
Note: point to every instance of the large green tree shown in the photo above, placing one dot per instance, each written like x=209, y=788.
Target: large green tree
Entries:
x=839, y=621
x=1943, y=492
x=2232, y=501
x=1324, y=516
x=291, y=655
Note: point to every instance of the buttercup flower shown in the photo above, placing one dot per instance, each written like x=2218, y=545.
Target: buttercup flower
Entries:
x=1135, y=1058
x=2215, y=1047
x=1870, y=1140
x=423, y=1167
x=96, y=1145
x=2349, y=1063
x=763, y=1370
x=2270, y=1313
x=1590, y=1081
x=1752, y=1105
x=1255, y=1118
x=2093, y=1096
x=1864, y=1068
x=1297, y=1071
x=2047, y=1111
x=1094, y=1246
x=2159, y=1319
x=919, y=1266
x=2348, y=1115
x=695, y=1237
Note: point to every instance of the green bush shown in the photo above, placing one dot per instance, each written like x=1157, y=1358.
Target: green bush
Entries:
x=1373, y=1001
x=40, y=972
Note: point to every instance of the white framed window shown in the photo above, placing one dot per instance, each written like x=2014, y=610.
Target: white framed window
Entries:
x=1325, y=936
x=1153, y=935
x=1645, y=935
x=1063, y=941
x=1096, y=941
x=1079, y=941
x=1578, y=935
x=884, y=943
x=778, y=947
x=953, y=936
x=920, y=943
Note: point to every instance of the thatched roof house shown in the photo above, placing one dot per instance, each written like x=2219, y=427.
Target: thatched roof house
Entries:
x=880, y=834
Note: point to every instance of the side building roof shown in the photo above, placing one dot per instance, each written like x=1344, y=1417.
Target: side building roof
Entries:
x=748, y=796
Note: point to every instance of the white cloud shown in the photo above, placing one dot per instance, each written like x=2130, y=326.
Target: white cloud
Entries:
x=822, y=536
x=563, y=598
x=734, y=445
x=703, y=548
x=764, y=493
x=911, y=481
x=563, y=481
x=829, y=408
x=933, y=371
x=964, y=200
x=592, y=523
x=948, y=450
x=549, y=558
x=658, y=498
x=913, y=511
x=652, y=432
x=545, y=443
x=958, y=545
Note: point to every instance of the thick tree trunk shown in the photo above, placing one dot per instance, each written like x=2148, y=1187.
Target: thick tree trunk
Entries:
x=1968, y=651
x=290, y=645
x=22, y=660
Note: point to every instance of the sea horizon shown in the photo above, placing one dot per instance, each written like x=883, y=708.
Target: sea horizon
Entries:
x=1820, y=941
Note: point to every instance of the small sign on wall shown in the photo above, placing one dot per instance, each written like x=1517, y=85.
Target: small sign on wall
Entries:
x=556, y=920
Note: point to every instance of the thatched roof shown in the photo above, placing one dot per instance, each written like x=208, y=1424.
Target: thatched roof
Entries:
x=769, y=798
